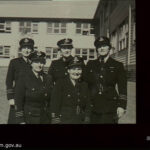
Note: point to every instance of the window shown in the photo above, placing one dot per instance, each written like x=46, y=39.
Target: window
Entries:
x=57, y=27
x=91, y=53
x=34, y=28
x=5, y=26
x=84, y=28
x=86, y=54
x=4, y=51
x=28, y=27
x=51, y=53
x=123, y=35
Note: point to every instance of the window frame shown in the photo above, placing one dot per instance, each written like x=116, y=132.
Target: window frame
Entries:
x=52, y=53
x=85, y=31
x=5, y=24
x=28, y=28
x=53, y=28
x=88, y=55
x=4, y=54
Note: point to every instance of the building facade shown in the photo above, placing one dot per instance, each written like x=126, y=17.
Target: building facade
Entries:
x=46, y=30
x=116, y=20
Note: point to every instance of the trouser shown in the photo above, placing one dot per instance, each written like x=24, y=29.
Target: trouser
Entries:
x=12, y=115
x=104, y=118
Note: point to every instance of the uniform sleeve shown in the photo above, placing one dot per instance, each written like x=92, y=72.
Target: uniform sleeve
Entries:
x=51, y=71
x=20, y=99
x=122, y=87
x=56, y=98
x=9, y=81
x=88, y=104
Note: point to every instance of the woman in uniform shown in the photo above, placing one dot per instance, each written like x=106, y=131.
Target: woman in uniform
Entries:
x=32, y=93
x=70, y=102
x=16, y=67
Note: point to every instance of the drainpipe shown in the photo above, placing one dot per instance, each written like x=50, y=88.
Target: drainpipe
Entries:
x=129, y=39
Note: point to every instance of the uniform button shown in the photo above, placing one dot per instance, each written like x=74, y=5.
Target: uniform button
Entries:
x=100, y=93
x=78, y=93
x=66, y=67
x=68, y=95
x=33, y=89
x=29, y=113
x=66, y=73
x=45, y=94
x=78, y=100
x=102, y=69
x=101, y=76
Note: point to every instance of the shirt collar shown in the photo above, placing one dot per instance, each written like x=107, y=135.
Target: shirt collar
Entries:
x=36, y=74
x=25, y=59
x=106, y=58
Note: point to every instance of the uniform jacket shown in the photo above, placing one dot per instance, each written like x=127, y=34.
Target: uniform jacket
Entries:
x=65, y=99
x=102, y=83
x=32, y=96
x=58, y=69
x=16, y=66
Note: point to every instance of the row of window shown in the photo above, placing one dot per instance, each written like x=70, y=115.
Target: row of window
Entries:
x=86, y=54
x=52, y=27
x=52, y=53
x=119, y=38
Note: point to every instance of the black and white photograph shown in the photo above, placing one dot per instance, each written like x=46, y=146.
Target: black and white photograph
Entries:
x=68, y=62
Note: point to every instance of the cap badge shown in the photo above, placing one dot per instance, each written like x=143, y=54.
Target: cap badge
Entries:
x=26, y=40
x=39, y=53
x=66, y=41
x=101, y=39
x=76, y=59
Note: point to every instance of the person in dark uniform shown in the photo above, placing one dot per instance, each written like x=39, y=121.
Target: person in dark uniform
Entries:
x=17, y=66
x=33, y=92
x=70, y=101
x=103, y=76
x=58, y=68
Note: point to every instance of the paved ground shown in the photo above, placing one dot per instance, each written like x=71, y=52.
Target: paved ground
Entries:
x=128, y=118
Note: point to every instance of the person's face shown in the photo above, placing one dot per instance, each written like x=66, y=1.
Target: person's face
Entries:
x=26, y=51
x=103, y=50
x=37, y=66
x=75, y=73
x=66, y=52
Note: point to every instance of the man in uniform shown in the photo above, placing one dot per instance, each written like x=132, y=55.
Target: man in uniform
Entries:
x=103, y=76
x=15, y=68
x=33, y=93
x=70, y=101
x=58, y=68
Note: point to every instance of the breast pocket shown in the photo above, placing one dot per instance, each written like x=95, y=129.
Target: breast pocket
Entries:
x=111, y=72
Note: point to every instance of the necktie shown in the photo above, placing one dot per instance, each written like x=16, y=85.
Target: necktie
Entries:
x=39, y=78
x=102, y=61
x=28, y=62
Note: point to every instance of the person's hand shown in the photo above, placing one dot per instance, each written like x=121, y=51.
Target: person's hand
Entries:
x=55, y=120
x=11, y=102
x=22, y=123
x=120, y=112
x=87, y=120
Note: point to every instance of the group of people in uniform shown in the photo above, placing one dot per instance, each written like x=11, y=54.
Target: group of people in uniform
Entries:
x=71, y=92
